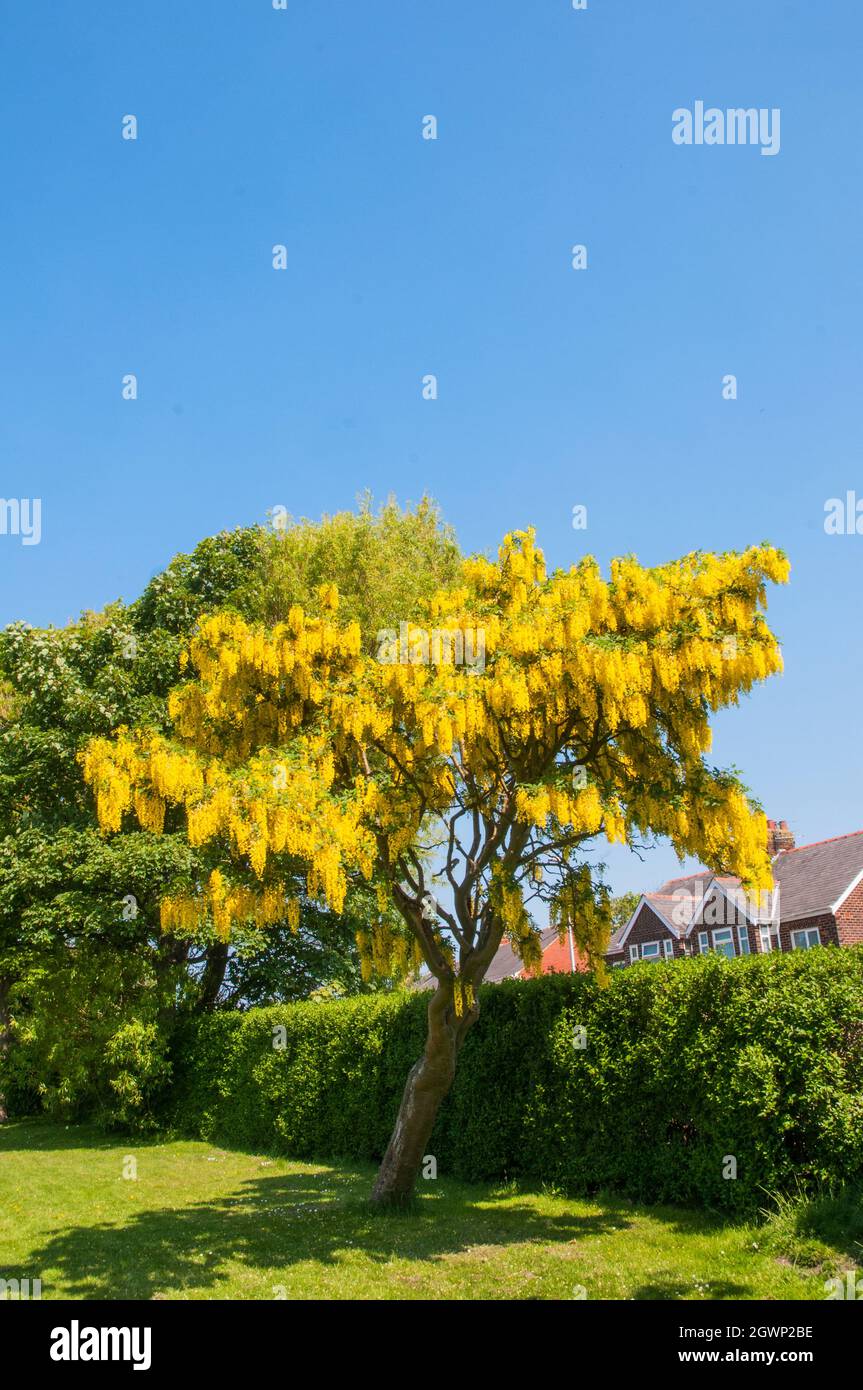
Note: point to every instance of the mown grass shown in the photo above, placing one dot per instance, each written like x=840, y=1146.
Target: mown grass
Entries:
x=200, y=1222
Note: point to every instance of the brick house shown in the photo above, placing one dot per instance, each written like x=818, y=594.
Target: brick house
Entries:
x=817, y=901
x=557, y=957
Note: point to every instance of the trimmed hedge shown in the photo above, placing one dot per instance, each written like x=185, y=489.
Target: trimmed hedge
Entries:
x=686, y=1064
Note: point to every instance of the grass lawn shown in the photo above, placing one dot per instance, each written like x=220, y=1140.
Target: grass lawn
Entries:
x=202, y=1222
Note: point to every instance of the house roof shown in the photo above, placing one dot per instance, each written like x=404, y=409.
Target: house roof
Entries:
x=694, y=884
x=505, y=965
x=815, y=878
x=812, y=879
x=662, y=905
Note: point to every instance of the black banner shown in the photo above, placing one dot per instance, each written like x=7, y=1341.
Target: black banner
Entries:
x=82, y=1339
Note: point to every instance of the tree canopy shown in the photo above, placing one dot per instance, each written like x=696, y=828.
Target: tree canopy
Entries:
x=509, y=720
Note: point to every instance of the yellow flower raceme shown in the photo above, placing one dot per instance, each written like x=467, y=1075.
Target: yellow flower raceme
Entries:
x=293, y=746
x=227, y=905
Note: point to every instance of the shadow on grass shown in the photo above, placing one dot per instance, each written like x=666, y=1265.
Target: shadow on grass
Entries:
x=673, y=1290
x=269, y=1224
x=44, y=1135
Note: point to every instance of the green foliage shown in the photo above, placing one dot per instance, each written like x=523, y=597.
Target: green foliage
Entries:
x=386, y=564
x=137, y=1067
x=278, y=965
x=821, y=1228
x=622, y=909
x=89, y=1036
x=215, y=575
x=685, y=1064
x=68, y=895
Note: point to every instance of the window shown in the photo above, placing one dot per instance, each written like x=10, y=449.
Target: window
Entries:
x=743, y=940
x=703, y=942
x=802, y=940
x=668, y=947
x=650, y=950
x=723, y=942
x=769, y=937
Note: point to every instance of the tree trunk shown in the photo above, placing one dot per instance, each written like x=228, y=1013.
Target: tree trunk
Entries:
x=213, y=976
x=428, y=1082
x=5, y=1037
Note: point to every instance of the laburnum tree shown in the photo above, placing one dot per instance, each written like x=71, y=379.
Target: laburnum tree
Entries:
x=482, y=751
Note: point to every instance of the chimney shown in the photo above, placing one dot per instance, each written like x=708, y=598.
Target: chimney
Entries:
x=779, y=837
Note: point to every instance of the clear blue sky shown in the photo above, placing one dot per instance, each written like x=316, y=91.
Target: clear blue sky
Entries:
x=407, y=257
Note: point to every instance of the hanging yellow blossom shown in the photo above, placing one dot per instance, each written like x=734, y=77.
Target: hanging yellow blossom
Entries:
x=523, y=714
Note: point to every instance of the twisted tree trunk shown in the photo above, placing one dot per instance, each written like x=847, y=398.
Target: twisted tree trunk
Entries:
x=428, y=1082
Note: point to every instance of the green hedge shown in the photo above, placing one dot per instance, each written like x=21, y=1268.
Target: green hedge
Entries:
x=685, y=1063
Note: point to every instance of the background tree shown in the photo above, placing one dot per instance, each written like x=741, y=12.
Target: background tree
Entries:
x=385, y=563
x=299, y=757
x=317, y=959
x=68, y=897
x=622, y=908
